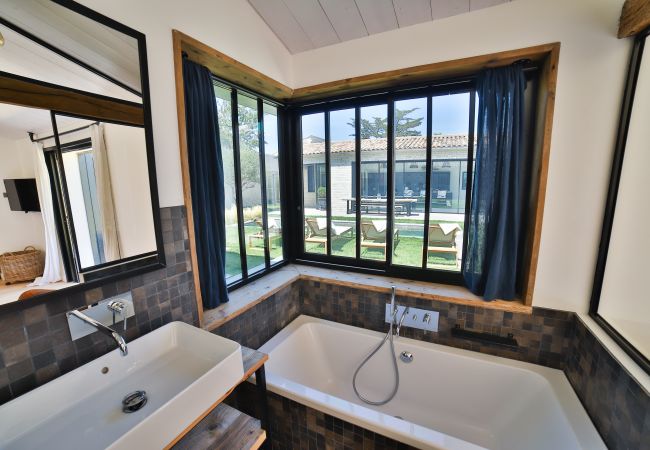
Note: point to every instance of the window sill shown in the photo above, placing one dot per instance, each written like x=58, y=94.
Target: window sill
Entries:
x=253, y=293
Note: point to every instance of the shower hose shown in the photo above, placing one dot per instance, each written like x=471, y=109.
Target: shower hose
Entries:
x=388, y=337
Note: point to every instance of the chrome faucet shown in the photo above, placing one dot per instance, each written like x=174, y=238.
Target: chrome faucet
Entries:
x=394, y=309
x=102, y=328
x=393, y=306
x=401, y=321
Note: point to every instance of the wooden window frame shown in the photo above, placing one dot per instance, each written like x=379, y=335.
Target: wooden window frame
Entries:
x=546, y=56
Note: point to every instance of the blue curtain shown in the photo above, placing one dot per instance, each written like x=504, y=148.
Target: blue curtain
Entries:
x=498, y=193
x=206, y=180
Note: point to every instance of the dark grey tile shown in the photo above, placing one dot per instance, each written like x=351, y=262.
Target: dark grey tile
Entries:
x=35, y=342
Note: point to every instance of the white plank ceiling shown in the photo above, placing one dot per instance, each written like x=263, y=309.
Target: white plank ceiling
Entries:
x=308, y=24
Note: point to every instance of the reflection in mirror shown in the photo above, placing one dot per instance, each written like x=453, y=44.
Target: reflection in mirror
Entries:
x=48, y=42
x=105, y=176
x=23, y=213
x=79, y=202
x=624, y=300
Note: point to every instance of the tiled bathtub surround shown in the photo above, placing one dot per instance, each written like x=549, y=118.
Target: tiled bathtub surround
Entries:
x=618, y=406
x=543, y=336
x=260, y=323
x=296, y=426
x=616, y=403
x=35, y=345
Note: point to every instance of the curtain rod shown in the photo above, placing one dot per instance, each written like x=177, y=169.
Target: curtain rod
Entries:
x=31, y=135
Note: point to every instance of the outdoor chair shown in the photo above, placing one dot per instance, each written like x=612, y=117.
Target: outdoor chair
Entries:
x=317, y=230
x=275, y=232
x=442, y=239
x=373, y=235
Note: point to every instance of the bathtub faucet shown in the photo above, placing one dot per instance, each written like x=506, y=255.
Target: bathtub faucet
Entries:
x=401, y=321
x=393, y=307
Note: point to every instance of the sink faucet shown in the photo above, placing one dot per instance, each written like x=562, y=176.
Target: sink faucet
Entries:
x=103, y=328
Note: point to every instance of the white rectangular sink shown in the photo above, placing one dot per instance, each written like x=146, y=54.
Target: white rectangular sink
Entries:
x=183, y=370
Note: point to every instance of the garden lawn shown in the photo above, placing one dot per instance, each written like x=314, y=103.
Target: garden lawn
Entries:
x=408, y=252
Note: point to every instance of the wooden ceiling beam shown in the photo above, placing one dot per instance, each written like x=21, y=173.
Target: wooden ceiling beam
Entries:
x=22, y=91
x=635, y=17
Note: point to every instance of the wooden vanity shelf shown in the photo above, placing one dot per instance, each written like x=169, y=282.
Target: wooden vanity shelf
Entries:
x=224, y=427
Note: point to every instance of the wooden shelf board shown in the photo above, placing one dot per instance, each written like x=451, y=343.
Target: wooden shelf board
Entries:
x=224, y=428
x=252, y=360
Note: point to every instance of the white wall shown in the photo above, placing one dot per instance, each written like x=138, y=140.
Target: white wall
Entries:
x=231, y=26
x=593, y=64
x=17, y=229
x=127, y=159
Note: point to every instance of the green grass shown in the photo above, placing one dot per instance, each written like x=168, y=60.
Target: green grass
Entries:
x=254, y=254
x=408, y=252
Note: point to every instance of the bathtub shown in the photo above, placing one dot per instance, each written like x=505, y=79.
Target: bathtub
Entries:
x=448, y=398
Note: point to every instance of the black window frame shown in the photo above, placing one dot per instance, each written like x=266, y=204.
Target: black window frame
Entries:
x=356, y=263
x=356, y=101
x=625, y=116
x=269, y=266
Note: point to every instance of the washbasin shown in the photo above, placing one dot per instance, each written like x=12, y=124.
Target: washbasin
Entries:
x=181, y=369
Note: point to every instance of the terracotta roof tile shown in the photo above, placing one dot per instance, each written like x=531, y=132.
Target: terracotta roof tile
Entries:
x=442, y=141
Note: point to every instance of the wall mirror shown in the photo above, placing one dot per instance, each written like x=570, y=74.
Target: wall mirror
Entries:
x=620, y=300
x=79, y=202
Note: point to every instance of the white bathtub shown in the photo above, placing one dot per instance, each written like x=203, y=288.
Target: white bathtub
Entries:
x=448, y=398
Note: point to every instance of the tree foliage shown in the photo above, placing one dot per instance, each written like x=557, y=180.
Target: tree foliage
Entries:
x=249, y=156
x=377, y=127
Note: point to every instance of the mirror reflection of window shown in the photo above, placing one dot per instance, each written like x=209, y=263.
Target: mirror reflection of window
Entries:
x=105, y=167
x=86, y=212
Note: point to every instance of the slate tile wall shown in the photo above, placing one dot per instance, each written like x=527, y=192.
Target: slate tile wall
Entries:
x=296, y=426
x=264, y=320
x=616, y=403
x=35, y=344
x=543, y=337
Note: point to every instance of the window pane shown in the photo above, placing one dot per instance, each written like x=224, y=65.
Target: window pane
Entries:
x=224, y=116
x=410, y=180
x=342, y=151
x=450, y=125
x=85, y=208
x=272, y=169
x=315, y=200
x=249, y=157
x=374, y=157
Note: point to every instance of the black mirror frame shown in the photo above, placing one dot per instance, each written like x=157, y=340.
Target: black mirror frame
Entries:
x=142, y=263
x=610, y=205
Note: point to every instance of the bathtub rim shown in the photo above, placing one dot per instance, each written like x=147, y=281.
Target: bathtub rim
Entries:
x=581, y=425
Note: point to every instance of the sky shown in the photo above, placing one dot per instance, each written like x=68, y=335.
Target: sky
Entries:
x=450, y=115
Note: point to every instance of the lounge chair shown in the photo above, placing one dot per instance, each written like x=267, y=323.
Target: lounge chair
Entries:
x=317, y=230
x=275, y=231
x=373, y=235
x=442, y=239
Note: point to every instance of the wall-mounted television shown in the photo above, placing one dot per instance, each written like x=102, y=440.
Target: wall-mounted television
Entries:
x=22, y=194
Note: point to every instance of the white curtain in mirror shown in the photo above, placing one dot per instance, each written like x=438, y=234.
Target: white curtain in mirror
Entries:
x=105, y=194
x=53, y=270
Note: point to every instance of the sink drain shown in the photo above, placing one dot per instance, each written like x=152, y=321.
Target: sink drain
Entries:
x=134, y=401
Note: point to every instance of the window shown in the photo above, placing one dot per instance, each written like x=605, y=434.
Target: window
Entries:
x=393, y=194
x=249, y=133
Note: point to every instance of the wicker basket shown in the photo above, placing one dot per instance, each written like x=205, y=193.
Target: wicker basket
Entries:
x=21, y=266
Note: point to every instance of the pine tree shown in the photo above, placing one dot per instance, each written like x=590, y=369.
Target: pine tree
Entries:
x=377, y=127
